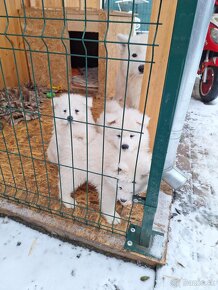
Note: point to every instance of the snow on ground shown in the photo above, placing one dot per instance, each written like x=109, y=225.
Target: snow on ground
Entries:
x=30, y=260
x=192, y=260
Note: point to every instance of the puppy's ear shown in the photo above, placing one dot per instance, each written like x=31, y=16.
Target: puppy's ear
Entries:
x=89, y=101
x=139, y=119
x=146, y=121
x=120, y=169
x=123, y=172
x=111, y=119
x=122, y=38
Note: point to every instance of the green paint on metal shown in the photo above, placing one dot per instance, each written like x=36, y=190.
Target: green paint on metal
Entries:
x=132, y=242
x=185, y=14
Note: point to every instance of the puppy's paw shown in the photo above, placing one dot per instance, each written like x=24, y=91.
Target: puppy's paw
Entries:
x=127, y=203
x=113, y=219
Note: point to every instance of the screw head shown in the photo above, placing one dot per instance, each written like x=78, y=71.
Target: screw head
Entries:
x=129, y=243
x=135, y=200
x=132, y=230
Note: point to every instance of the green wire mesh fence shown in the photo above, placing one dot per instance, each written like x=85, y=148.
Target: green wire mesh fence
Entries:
x=94, y=169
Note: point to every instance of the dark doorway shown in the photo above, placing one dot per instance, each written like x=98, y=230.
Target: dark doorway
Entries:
x=77, y=47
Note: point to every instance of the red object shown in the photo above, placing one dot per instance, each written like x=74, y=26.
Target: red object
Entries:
x=209, y=43
x=210, y=46
x=75, y=72
x=208, y=68
x=206, y=86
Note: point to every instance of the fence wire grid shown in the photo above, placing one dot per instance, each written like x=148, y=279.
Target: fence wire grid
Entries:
x=67, y=50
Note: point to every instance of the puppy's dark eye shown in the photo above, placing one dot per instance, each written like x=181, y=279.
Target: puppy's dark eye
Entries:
x=65, y=111
x=131, y=136
x=134, y=55
x=120, y=187
x=119, y=136
x=76, y=111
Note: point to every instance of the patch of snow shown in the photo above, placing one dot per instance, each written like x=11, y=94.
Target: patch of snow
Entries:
x=30, y=260
x=192, y=259
x=161, y=222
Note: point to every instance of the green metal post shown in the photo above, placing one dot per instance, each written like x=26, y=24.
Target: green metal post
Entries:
x=184, y=19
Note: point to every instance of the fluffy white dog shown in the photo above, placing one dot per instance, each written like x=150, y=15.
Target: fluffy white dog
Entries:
x=77, y=154
x=70, y=118
x=124, y=129
x=134, y=160
x=68, y=143
x=135, y=53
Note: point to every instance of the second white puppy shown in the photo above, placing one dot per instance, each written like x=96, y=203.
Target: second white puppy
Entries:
x=130, y=142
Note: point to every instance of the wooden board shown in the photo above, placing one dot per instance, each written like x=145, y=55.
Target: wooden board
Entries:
x=10, y=67
x=78, y=20
x=161, y=53
x=90, y=4
x=19, y=3
x=47, y=57
x=58, y=65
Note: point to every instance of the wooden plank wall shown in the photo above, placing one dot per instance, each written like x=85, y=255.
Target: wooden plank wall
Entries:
x=19, y=3
x=6, y=56
x=161, y=54
x=52, y=66
x=93, y=4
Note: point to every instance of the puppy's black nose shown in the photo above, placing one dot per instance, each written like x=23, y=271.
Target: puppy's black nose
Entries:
x=70, y=119
x=125, y=146
x=123, y=200
x=141, y=68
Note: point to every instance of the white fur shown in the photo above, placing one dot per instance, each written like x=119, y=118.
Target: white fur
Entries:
x=130, y=172
x=133, y=177
x=134, y=81
x=127, y=123
x=71, y=138
x=65, y=106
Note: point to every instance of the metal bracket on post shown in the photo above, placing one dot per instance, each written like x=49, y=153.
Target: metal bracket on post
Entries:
x=133, y=240
x=140, y=239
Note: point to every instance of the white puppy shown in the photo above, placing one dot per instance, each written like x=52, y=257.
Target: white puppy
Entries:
x=130, y=145
x=136, y=55
x=124, y=129
x=68, y=142
x=78, y=155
